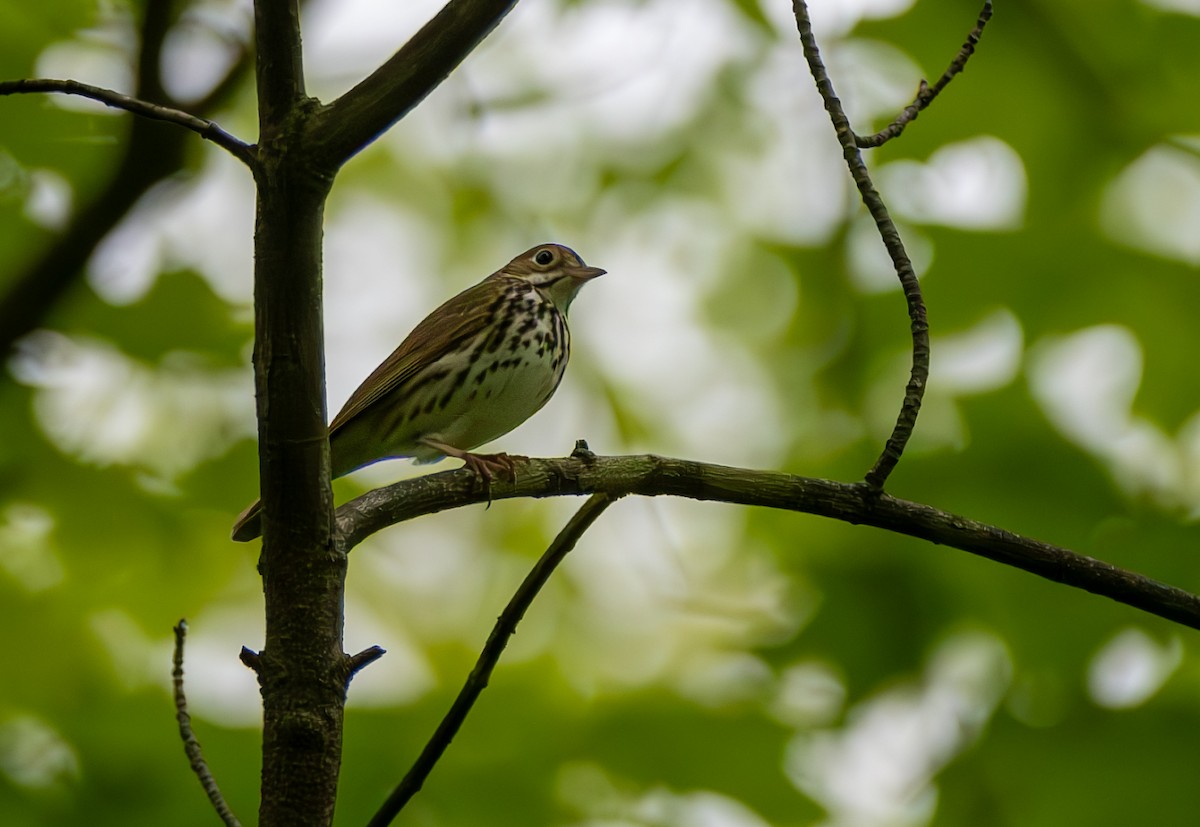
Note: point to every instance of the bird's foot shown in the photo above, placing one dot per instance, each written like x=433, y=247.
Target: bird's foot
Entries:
x=487, y=467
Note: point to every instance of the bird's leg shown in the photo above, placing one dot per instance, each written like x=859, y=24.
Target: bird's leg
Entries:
x=485, y=466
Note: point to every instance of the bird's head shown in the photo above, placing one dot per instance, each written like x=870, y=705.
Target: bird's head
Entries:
x=556, y=271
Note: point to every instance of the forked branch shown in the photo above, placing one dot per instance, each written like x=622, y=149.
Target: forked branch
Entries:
x=919, y=374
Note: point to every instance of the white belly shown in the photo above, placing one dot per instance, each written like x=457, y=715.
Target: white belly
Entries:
x=501, y=390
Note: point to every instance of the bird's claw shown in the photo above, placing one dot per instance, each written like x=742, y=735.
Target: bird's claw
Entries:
x=488, y=466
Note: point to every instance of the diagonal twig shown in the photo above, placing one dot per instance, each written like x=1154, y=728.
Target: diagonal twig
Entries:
x=190, y=745
x=926, y=93
x=201, y=126
x=919, y=324
x=505, y=626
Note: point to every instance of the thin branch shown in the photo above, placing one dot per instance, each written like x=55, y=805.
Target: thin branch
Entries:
x=150, y=154
x=201, y=126
x=919, y=374
x=506, y=626
x=927, y=93
x=650, y=476
x=351, y=122
x=190, y=745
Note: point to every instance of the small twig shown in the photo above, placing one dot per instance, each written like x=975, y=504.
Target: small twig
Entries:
x=505, y=626
x=915, y=390
x=250, y=659
x=190, y=745
x=201, y=126
x=926, y=93
x=363, y=659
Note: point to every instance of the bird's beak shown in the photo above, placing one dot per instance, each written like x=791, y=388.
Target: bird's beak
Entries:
x=587, y=273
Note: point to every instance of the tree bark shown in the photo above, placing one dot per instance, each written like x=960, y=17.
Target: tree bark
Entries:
x=302, y=668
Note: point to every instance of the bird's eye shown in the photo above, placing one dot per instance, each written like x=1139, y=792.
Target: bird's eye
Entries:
x=544, y=257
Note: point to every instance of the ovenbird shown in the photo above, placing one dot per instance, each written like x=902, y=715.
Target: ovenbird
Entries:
x=474, y=369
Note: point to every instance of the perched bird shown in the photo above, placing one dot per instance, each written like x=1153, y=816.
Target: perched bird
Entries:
x=474, y=369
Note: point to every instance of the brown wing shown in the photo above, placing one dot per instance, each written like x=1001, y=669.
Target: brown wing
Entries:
x=443, y=330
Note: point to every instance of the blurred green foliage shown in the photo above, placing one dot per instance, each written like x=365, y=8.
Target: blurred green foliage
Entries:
x=692, y=664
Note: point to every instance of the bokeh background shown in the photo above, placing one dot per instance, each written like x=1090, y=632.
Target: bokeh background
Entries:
x=692, y=665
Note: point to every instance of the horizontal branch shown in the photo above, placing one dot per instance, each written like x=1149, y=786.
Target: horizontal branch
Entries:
x=648, y=475
x=201, y=126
